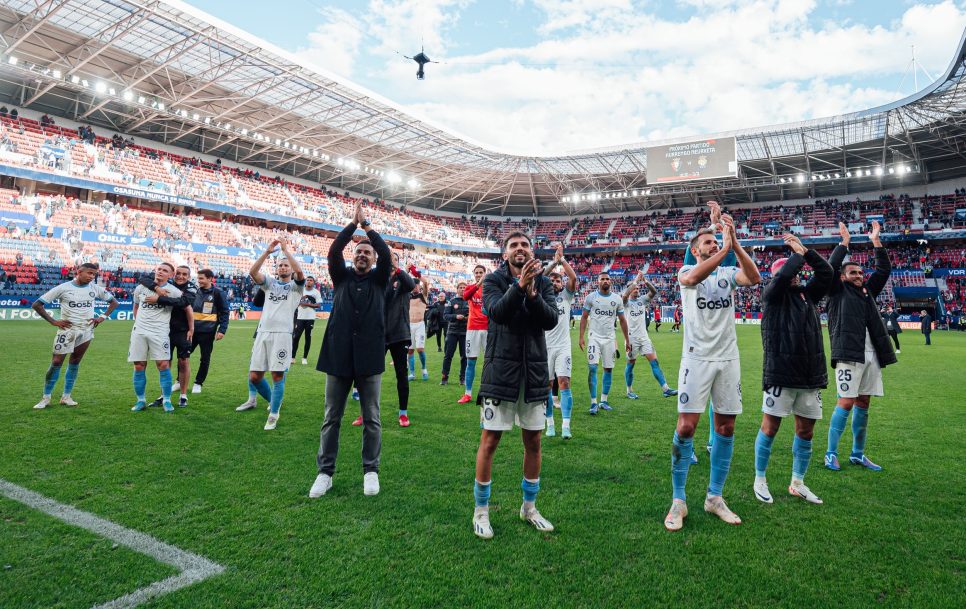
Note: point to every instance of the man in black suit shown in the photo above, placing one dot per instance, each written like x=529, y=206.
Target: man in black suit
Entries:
x=925, y=321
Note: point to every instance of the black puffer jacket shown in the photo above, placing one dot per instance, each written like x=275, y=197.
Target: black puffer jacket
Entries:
x=456, y=306
x=791, y=332
x=852, y=311
x=397, y=307
x=516, y=350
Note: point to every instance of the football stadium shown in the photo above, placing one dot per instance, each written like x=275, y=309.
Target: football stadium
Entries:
x=240, y=228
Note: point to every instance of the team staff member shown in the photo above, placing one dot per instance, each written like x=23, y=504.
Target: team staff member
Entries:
x=794, y=363
x=891, y=320
x=354, y=349
x=860, y=345
x=515, y=382
x=455, y=314
x=476, y=327
x=925, y=324
x=211, y=313
x=305, y=318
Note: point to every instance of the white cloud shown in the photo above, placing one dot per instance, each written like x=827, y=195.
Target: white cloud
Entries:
x=608, y=73
x=334, y=44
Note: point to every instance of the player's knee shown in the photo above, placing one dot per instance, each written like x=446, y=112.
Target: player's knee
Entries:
x=845, y=403
x=862, y=401
x=769, y=427
x=74, y=360
x=685, y=429
x=563, y=382
x=139, y=366
x=254, y=377
x=57, y=360
x=725, y=428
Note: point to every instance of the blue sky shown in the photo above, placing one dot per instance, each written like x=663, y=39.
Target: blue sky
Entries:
x=548, y=76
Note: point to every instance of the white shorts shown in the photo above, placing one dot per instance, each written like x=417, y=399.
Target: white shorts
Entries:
x=418, y=333
x=853, y=379
x=65, y=341
x=149, y=347
x=699, y=380
x=272, y=352
x=640, y=346
x=601, y=352
x=475, y=343
x=496, y=415
x=783, y=401
x=559, y=361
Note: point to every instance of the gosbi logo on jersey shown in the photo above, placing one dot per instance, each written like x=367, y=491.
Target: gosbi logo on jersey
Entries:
x=607, y=313
x=277, y=297
x=720, y=303
x=80, y=305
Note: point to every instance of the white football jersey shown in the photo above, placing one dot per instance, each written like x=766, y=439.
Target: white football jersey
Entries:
x=76, y=301
x=709, y=316
x=153, y=318
x=281, y=300
x=637, y=315
x=307, y=312
x=560, y=335
x=602, y=314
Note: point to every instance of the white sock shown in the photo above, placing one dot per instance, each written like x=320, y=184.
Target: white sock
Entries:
x=184, y=395
x=549, y=422
x=603, y=397
x=529, y=505
x=566, y=423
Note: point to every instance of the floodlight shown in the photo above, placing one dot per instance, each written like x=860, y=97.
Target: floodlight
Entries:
x=56, y=73
x=127, y=95
x=100, y=87
x=878, y=171
x=12, y=60
x=75, y=79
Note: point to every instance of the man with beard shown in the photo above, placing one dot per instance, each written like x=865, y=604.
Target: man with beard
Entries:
x=636, y=307
x=710, y=367
x=794, y=371
x=354, y=349
x=558, y=342
x=149, y=337
x=182, y=328
x=476, y=330
x=515, y=381
x=860, y=345
x=601, y=309
x=273, y=339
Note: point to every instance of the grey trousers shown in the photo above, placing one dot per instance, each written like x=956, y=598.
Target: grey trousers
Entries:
x=336, y=393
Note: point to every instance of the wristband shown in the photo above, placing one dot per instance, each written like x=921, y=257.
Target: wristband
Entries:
x=103, y=317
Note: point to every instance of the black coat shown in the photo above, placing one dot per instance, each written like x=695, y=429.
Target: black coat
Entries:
x=894, y=318
x=456, y=306
x=397, y=307
x=516, y=349
x=925, y=324
x=791, y=331
x=354, y=344
x=434, y=318
x=852, y=311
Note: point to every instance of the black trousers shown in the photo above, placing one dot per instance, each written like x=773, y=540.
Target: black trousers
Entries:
x=400, y=363
x=452, y=341
x=205, y=340
x=439, y=338
x=895, y=339
x=302, y=325
x=928, y=342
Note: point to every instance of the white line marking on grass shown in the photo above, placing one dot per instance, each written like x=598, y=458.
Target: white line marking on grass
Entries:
x=194, y=568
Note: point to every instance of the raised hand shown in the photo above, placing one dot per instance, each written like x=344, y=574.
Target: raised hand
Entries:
x=874, y=233
x=794, y=243
x=558, y=256
x=715, y=212
x=271, y=246
x=844, y=234
x=359, y=215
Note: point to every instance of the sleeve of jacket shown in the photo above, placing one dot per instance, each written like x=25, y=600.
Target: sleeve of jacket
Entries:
x=406, y=282
x=783, y=278
x=543, y=310
x=501, y=306
x=883, y=268
x=224, y=311
x=383, y=264
x=821, y=281
x=835, y=261
x=336, y=260
x=187, y=298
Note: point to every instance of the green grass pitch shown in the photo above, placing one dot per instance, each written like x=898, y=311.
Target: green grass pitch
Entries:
x=211, y=481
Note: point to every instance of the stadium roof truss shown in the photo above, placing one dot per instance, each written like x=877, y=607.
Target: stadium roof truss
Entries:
x=167, y=72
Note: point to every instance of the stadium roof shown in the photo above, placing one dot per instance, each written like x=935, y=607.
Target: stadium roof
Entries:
x=169, y=72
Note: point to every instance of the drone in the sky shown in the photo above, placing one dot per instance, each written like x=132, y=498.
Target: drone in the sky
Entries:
x=421, y=59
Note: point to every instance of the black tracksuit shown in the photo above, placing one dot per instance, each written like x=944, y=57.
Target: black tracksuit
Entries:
x=211, y=312
x=455, y=334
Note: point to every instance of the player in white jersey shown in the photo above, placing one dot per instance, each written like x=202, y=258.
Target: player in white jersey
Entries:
x=709, y=364
x=274, y=337
x=558, y=341
x=150, y=338
x=75, y=328
x=636, y=308
x=601, y=309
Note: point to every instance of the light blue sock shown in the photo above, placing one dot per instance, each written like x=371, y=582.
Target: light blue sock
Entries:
x=412, y=364
x=721, y=452
x=264, y=389
x=860, y=423
x=530, y=490
x=166, y=383
x=550, y=406
x=658, y=373
x=762, y=452
x=629, y=375
x=278, y=392
x=592, y=382
x=481, y=493
x=566, y=403
x=50, y=379
x=710, y=424
x=470, y=375
x=140, y=383
x=801, y=455
x=70, y=378
x=608, y=378
x=404, y=413
x=422, y=360
x=836, y=426
x=681, y=451
x=252, y=392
